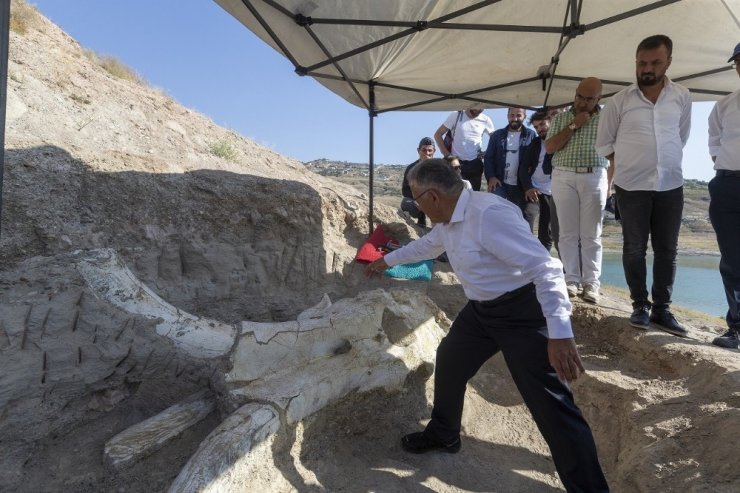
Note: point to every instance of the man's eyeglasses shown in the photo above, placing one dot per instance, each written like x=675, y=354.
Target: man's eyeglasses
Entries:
x=586, y=99
x=416, y=199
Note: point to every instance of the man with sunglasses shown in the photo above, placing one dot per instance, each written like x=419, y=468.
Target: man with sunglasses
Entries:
x=518, y=305
x=642, y=131
x=579, y=189
x=501, y=161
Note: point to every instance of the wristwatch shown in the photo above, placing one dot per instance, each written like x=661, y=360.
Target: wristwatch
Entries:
x=572, y=127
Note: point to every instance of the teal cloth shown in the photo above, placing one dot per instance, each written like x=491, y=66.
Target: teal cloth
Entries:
x=419, y=271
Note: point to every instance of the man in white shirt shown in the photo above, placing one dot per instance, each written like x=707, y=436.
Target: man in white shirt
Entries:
x=518, y=305
x=642, y=131
x=724, y=207
x=467, y=128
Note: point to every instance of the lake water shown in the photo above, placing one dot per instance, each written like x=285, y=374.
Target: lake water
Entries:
x=698, y=284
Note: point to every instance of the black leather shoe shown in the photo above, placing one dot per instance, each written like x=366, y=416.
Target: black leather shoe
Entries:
x=640, y=317
x=729, y=340
x=418, y=443
x=665, y=320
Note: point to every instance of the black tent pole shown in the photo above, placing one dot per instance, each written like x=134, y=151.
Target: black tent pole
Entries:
x=371, y=113
x=4, y=38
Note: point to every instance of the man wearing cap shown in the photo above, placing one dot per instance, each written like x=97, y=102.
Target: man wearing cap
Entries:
x=724, y=207
x=502, y=157
x=579, y=189
x=426, y=151
x=642, y=131
x=467, y=128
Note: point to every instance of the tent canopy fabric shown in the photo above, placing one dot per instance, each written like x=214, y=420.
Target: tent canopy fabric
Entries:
x=387, y=55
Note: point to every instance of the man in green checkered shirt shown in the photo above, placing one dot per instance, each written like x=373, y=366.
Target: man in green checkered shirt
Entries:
x=579, y=189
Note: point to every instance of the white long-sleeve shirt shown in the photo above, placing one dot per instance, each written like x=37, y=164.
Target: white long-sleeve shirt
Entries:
x=647, y=139
x=493, y=251
x=724, y=132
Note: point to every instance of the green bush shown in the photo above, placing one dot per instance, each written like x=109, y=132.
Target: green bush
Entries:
x=224, y=149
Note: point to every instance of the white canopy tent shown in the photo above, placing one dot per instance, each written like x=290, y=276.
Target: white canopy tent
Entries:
x=389, y=55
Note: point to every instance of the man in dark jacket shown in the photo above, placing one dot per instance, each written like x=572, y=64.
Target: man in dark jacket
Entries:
x=426, y=151
x=501, y=161
x=535, y=178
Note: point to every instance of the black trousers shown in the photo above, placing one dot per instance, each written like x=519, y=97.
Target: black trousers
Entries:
x=545, y=214
x=515, y=326
x=472, y=171
x=655, y=215
x=724, y=212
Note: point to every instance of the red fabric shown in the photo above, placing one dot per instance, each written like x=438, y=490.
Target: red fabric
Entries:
x=370, y=251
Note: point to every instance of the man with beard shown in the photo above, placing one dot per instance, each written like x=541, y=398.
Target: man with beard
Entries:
x=579, y=188
x=535, y=178
x=642, y=132
x=467, y=128
x=502, y=157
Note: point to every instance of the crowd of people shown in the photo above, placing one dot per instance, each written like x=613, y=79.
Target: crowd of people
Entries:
x=559, y=176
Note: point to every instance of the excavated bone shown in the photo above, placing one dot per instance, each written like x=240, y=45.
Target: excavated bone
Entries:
x=217, y=463
x=371, y=341
x=150, y=435
x=112, y=280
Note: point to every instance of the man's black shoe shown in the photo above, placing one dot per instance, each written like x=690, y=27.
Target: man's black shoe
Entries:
x=729, y=340
x=665, y=320
x=640, y=317
x=418, y=443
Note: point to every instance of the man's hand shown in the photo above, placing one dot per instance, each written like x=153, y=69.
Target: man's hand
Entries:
x=532, y=195
x=377, y=267
x=581, y=119
x=493, y=183
x=564, y=358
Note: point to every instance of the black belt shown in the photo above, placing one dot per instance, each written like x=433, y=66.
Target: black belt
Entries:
x=728, y=172
x=507, y=296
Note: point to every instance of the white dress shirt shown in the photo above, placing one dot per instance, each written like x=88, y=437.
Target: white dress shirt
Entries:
x=647, y=139
x=493, y=251
x=724, y=132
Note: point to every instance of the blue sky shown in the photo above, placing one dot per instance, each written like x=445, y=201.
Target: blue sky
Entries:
x=206, y=60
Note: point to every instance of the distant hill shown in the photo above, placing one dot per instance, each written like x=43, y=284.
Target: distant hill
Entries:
x=697, y=235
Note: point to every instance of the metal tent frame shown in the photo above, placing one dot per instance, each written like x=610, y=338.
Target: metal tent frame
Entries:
x=365, y=90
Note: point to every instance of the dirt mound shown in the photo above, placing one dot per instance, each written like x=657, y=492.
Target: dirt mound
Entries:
x=94, y=161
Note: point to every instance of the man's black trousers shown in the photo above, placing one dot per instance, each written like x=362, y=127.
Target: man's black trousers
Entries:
x=514, y=325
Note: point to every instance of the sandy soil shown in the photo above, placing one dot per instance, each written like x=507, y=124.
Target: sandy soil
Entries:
x=94, y=161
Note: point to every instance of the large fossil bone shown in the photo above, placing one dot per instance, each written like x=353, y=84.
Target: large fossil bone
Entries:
x=283, y=369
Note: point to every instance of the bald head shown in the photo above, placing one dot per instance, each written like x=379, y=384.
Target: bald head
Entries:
x=588, y=95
